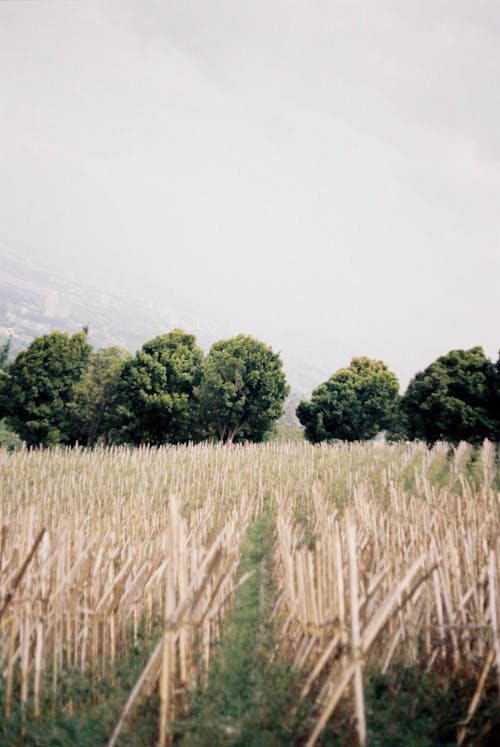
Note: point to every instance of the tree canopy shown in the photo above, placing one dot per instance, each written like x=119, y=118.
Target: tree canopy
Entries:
x=242, y=390
x=38, y=387
x=93, y=397
x=5, y=349
x=4, y=379
x=60, y=391
x=354, y=404
x=155, y=398
x=457, y=397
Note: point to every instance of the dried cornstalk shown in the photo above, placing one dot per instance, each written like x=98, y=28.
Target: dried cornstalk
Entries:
x=355, y=630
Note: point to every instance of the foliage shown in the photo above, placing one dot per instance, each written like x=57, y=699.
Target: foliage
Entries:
x=242, y=390
x=96, y=703
x=287, y=428
x=9, y=439
x=456, y=398
x=354, y=404
x=250, y=699
x=93, y=396
x=59, y=391
x=409, y=707
x=5, y=349
x=38, y=388
x=155, y=397
x=4, y=398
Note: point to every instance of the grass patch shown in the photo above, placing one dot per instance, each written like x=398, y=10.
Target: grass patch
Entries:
x=87, y=709
x=409, y=708
x=249, y=700
x=440, y=470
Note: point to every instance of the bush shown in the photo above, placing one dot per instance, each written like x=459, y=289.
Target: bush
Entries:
x=9, y=439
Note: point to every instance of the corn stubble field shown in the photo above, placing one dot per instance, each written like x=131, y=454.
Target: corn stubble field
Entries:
x=266, y=594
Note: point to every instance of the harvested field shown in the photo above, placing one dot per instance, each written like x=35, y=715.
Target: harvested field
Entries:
x=374, y=560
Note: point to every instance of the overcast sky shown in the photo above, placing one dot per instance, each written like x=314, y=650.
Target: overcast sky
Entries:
x=324, y=174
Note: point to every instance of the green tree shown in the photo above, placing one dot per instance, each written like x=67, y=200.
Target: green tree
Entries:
x=155, y=399
x=38, y=386
x=456, y=398
x=4, y=394
x=93, y=398
x=242, y=390
x=8, y=439
x=354, y=404
x=5, y=349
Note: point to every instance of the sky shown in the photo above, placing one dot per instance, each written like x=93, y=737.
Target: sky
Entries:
x=322, y=174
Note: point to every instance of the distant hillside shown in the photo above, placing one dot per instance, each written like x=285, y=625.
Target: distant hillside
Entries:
x=36, y=298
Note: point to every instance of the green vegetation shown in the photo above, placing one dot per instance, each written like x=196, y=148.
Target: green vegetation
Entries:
x=284, y=430
x=60, y=391
x=92, y=703
x=354, y=404
x=9, y=439
x=456, y=398
x=242, y=390
x=5, y=349
x=250, y=699
x=39, y=385
x=93, y=400
x=411, y=708
x=156, y=402
x=439, y=470
x=287, y=428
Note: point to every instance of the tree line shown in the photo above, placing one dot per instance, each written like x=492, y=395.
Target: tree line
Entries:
x=456, y=398
x=62, y=391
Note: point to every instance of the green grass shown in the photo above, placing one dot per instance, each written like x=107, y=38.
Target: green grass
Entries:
x=8, y=438
x=411, y=708
x=96, y=703
x=440, y=469
x=249, y=700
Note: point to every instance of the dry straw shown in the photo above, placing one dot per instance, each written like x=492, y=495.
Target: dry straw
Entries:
x=410, y=571
x=96, y=545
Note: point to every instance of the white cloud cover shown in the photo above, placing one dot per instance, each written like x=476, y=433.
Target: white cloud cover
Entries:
x=324, y=173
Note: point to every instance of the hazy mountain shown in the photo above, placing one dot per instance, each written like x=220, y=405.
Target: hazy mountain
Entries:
x=36, y=297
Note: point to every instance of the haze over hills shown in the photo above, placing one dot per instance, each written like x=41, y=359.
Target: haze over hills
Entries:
x=294, y=171
x=36, y=298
